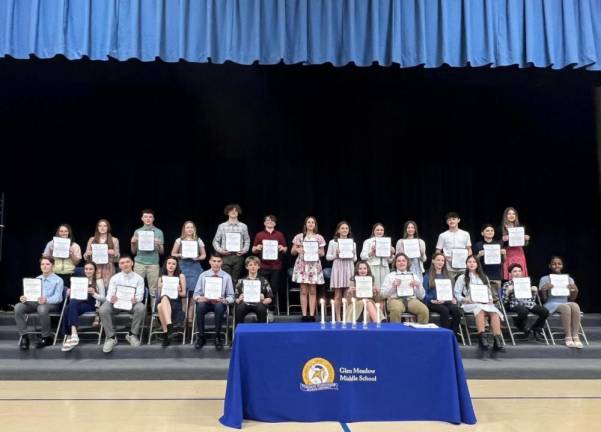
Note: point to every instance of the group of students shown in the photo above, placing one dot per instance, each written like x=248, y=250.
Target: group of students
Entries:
x=407, y=288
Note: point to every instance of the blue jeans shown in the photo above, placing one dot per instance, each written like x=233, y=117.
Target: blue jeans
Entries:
x=192, y=270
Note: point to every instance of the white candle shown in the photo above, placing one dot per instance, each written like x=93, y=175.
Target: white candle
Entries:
x=364, y=312
x=333, y=312
x=344, y=311
x=323, y=316
x=354, y=300
x=378, y=313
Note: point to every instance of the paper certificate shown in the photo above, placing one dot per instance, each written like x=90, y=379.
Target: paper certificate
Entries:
x=364, y=286
x=444, y=290
x=170, y=287
x=516, y=236
x=522, y=288
x=251, y=290
x=310, y=251
x=32, y=289
x=233, y=241
x=189, y=249
x=560, y=284
x=492, y=254
x=411, y=248
x=146, y=240
x=270, y=250
x=479, y=293
x=60, y=247
x=79, y=288
x=405, y=289
x=383, y=246
x=346, y=248
x=458, y=258
x=100, y=253
x=213, y=287
x=124, y=295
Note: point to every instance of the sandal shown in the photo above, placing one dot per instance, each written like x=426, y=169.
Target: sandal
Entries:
x=577, y=343
x=570, y=343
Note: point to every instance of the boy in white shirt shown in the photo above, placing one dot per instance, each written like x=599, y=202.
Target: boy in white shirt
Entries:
x=454, y=238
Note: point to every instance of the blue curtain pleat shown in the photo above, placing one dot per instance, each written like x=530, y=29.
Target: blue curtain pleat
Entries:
x=542, y=33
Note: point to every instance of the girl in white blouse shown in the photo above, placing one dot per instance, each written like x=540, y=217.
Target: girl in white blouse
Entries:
x=379, y=266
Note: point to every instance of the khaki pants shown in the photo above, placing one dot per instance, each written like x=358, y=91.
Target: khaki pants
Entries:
x=151, y=273
x=414, y=306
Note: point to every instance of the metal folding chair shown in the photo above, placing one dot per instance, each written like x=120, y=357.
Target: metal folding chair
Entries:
x=152, y=330
x=194, y=332
x=122, y=315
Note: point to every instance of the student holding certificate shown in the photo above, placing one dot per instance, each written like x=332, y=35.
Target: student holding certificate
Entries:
x=147, y=244
x=404, y=292
x=439, y=293
x=454, y=241
x=342, y=250
x=414, y=247
x=49, y=301
x=523, y=306
x=65, y=251
x=379, y=266
x=472, y=291
x=307, y=267
x=491, y=254
x=169, y=306
x=362, y=276
x=253, y=293
x=214, y=290
x=559, y=292
x=103, y=249
x=76, y=307
x=514, y=254
x=232, y=241
x=123, y=282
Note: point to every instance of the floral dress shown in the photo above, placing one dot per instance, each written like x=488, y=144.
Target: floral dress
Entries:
x=308, y=272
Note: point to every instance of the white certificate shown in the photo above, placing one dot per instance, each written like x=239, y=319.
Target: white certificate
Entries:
x=492, y=254
x=364, y=286
x=146, y=240
x=522, y=288
x=32, y=289
x=516, y=236
x=383, y=246
x=170, y=287
x=270, y=250
x=189, y=249
x=458, y=258
x=411, y=248
x=560, y=284
x=479, y=293
x=346, y=248
x=444, y=290
x=405, y=289
x=60, y=247
x=213, y=287
x=233, y=241
x=100, y=253
x=79, y=288
x=124, y=295
x=310, y=251
x=251, y=290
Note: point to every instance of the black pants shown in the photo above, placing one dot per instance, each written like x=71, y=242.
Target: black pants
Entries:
x=244, y=309
x=232, y=265
x=273, y=277
x=521, y=319
x=450, y=315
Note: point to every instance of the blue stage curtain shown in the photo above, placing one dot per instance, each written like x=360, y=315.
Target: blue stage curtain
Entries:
x=555, y=33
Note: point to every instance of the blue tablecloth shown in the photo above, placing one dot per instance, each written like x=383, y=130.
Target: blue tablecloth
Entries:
x=302, y=373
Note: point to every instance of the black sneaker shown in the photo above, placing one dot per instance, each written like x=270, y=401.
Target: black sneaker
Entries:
x=218, y=342
x=24, y=344
x=538, y=335
x=200, y=342
x=164, y=339
x=44, y=342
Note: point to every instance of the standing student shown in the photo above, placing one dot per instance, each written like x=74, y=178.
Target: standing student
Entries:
x=449, y=312
x=50, y=301
x=342, y=268
x=243, y=306
x=397, y=304
x=64, y=267
x=453, y=238
x=170, y=310
x=190, y=267
x=380, y=266
x=271, y=269
x=147, y=262
x=75, y=307
x=475, y=275
x=567, y=307
x=514, y=254
x=494, y=272
x=103, y=235
x=363, y=269
x=410, y=232
x=232, y=261
x=308, y=274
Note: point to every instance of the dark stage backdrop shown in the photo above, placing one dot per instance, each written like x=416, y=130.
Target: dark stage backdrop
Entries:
x=84, y=140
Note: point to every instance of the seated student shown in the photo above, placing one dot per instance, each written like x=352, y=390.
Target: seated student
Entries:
x=232, y=260
x=50, y=301
x=474, y=275
x=126, y=277
x=398, y=305
x=494, y=272
x=243, y=308
x=75, y=307
x=147, y=261
x=170, y=310
x=449, y=312
x=64, y=267
x=363, y=269
x=453, y=238
x=566, y=306
x=523, y=306
x=218, y=306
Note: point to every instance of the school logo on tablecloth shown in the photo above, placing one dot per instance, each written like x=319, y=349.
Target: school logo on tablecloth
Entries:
x=318, y=374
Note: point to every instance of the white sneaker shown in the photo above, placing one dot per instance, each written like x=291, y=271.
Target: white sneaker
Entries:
x=133, y=340
x=109, y=344
x=74, y=341
x=67, y=345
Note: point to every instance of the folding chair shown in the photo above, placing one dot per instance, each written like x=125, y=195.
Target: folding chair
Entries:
x=124, y=314
x=552, y=333
x=290, y=288
x=226, y=324
x=58, y=314
x=250, y=317
x=88, y=330
x=437, y=315
x=512, y=315
x=155, y=318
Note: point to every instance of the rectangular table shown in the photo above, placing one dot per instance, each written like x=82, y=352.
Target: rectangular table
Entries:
x=303, y=373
